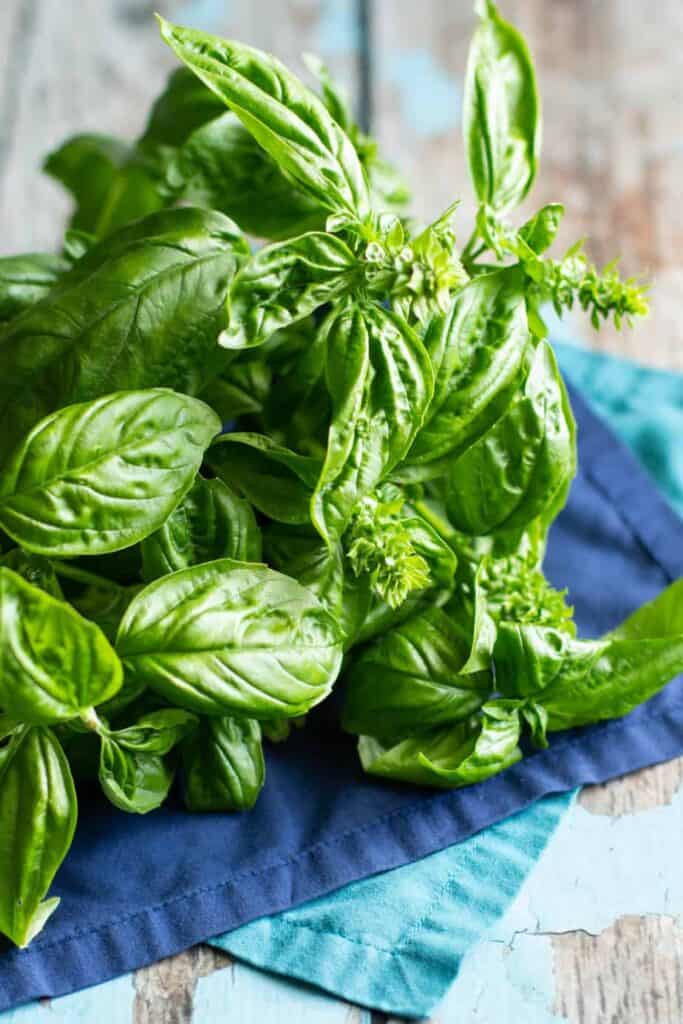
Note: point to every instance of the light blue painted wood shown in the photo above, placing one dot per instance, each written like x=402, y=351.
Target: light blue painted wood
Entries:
x=103, y=1004
x=240, y=993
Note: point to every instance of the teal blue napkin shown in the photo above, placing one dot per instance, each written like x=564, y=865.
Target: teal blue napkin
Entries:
x=396, y=941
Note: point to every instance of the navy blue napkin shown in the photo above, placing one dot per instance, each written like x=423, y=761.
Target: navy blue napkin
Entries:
x=137, y=889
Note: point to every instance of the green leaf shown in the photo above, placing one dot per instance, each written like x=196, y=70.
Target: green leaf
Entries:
x=539, y=232
x=380, y=380
x=451, y=756
x=38, y=811
x=102, y=475
x=184, y=105
x=109, y=183
x=157, y=732
x=627, y=667
x=512, y=474
x=276, y=481
x=477, y=354
x=141, y=309
x=241, y=389
x=301, y=553
x=34, y=569
x=224, y=766
x=54, y=664
x=222, y=167
x=285, y=118
x=501, y=116
x=410, y=680
x=26, y=279
x=226, y=637
x=211, y=522
x=133, y=781
x=284, y=283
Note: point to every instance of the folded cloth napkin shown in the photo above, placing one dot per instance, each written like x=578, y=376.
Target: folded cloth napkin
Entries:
x=396, y=941
x=135, y=890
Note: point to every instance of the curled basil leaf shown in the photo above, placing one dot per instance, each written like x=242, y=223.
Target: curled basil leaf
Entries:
x=26, y=279
x=477, y=353
x=224, y=766
x=101, y=475
x=134, y=781
x=141, y=309
x=513, y=473
x=410, y=679
x=539, y=232
x=38, y=811
x=379, y=376
x=277, y=481
x=54, y=664
x=285, y=117
x=451, y=756
x=501, y=116
x=210, y=522
x=226, y=637
x=284, y=283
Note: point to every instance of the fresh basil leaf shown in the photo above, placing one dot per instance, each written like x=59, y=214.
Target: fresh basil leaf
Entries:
x=628, y=667
x=226, y=637
x=451, y=756
x=108, y=181
x=410, y=680
x=157, y=732
x=210, y=522
x=514, y=471
x=501, y=115
x=101, y=475
x=241, y=389
x=54, y=664
x=285, y=117
x=141, y=309
x=38, y=811
x=284, y=283
x=277, y=481
x=133, y=781
x=530, y=659
x=380, y=380
x=300, y=553
x=477, y=354
x=184, y=105
x=539, y=232
x=431, y=546
x=224, y=766
x=26, y=279
x=34, y=569
x=222, y=167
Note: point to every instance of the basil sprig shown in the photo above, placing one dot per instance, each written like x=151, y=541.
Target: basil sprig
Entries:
x=400, y=441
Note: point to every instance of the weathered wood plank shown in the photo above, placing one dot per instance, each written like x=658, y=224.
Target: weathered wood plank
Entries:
x=610, y=77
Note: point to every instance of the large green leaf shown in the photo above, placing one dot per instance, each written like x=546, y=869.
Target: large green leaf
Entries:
x=477, y=352
x=501, y=116
x=101, y=475
x=210, y=522
x=410, y=680
x=513, y=473
x=284, y=283
x=277, y=481
x=226, y=637
x=221, y=166
x=379, y=376
x=224, y=766
x=38, y=811
x=54, y=664
x=141, y=309
x=285, y=117
x=26, y=279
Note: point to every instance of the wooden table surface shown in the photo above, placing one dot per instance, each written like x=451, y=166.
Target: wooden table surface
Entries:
x=611, y=76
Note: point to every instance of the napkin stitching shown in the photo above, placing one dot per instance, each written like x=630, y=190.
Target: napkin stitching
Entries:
x=255, y=872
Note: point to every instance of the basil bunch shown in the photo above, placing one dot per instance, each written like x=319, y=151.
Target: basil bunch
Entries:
x=170, y=594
